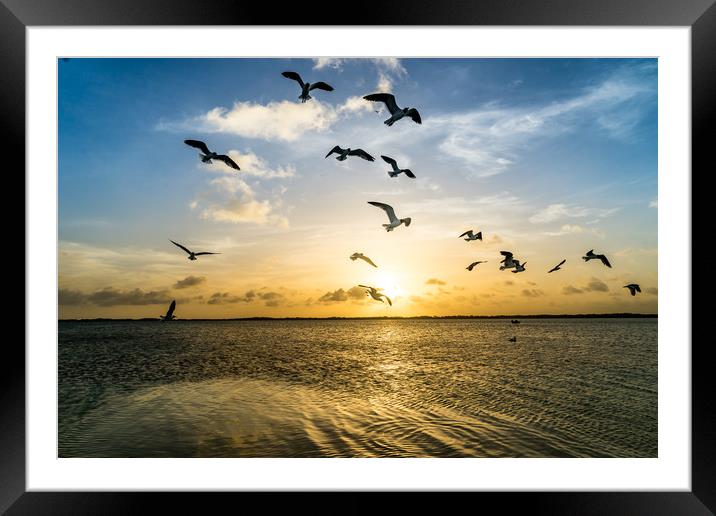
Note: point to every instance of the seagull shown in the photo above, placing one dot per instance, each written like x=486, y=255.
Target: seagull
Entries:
x=512, y=339
x=472, y=236
x=363, y=257
x=395, y=112
x=192, y=254
x=170, y=312
x=557, y=267
x=472, y=265
x=633, y=288
x=306, y=86
x=519, y=267
x=344, y=153
x=396, y=171
x=591, y=256
x=394, y=221
x=508, y=261
x=376, y=294
x=208, y=155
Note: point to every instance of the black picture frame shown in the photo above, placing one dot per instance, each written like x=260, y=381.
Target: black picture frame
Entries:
x=17, y=15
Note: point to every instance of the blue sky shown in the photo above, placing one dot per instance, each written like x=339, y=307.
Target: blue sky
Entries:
x=548, y=157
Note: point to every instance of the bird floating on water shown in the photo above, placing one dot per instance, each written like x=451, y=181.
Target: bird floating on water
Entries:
x=519, y=267
x=394, y=220
x=509, y=262
x=515, y=321
x=376, y=294
x=344, y=153
x=307, y=86
x=633, y=288
x=363, y=257
x=557, y=267
x=170, y=313
x=207, y=155
x=469, y=235
x=591, y=256
x=396, y=113
x=397, y=171
x=473, y=264
x=512, y=339
x=192, y=255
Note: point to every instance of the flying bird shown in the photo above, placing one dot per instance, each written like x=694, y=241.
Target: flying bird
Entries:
x=306, y=86
x=363, y=257
x=471, y=236
x=557, y=267
x=394, y=221
x=472, y=265
x=344, y=153
x=207, y=155
x=633, y=288
x=509, y=262
x=170, y=313
x=192, y=255
x=395, y=112
x=591, y=256
x=396, y=171
x=519, y=267
x=376, y=294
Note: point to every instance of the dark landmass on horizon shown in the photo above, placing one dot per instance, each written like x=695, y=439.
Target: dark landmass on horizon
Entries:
x=540, y=316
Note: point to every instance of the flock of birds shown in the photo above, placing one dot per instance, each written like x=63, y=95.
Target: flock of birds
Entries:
x=396, y=113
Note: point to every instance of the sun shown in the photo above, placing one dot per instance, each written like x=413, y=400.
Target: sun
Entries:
x=389, y=285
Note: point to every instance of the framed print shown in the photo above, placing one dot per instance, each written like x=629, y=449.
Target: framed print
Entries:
x=307, y=257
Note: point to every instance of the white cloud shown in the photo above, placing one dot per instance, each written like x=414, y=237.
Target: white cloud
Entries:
x=570, y=229
x=253, y=165
x=319, y=63
x=563, y=211
x=654, y=204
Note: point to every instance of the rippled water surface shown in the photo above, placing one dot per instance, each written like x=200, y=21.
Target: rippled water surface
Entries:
x=350, y=388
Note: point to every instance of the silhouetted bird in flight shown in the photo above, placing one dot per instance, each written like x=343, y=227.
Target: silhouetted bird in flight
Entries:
x=397, y=171
x=471, y=236
x=557, y=267
x=591, y=256
x=376, y=294
x=344, y=153
x=306, y=86
x=394, y=220
x=363, y=257
x=207, y=155
x=170, y=313
x=633, y=288
x=396, y=113
x=473, y=264
x=192, y=255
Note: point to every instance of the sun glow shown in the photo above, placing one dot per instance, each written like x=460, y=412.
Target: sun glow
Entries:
x=389, y=285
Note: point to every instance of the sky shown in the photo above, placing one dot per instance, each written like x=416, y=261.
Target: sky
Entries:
x=549, y=158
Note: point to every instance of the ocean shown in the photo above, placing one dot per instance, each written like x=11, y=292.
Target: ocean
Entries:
x=358, y=388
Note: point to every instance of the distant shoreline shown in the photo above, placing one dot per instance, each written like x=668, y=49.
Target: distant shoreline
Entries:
x=421, y=317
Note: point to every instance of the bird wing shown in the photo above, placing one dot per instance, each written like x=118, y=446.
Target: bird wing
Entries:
x=390, y=161
x=226, y=159
x=335, y=149
x=387, y=209
x=638, y=288
x=413, y=113
x=172, y=306
x=198, y=145
x=181, y=246
x=387, y=98
x=409, y=173
x=590, y=253
x=321, y=86
x=468, y=233
x=506, y=254
x=294, y=76
x=605, y=261
x=204, y=252
x=389, y=301
x=560, y=263
x=360, y=152
x=368, y=260
x=354, y=256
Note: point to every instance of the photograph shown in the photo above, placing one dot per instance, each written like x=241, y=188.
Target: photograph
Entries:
x=357, y=257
